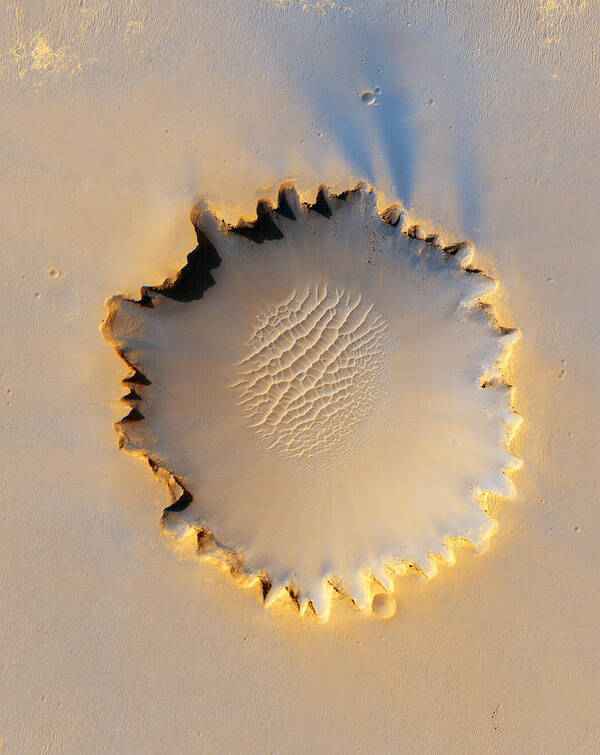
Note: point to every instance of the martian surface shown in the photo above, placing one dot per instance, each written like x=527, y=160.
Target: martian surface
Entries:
x=316, y=471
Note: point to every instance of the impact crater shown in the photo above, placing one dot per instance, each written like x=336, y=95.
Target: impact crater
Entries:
x=321, y=389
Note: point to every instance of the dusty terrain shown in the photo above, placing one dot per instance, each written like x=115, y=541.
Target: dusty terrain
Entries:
x=116, y=117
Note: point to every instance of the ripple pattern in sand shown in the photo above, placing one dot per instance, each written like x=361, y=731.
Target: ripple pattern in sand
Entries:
x=313, y=370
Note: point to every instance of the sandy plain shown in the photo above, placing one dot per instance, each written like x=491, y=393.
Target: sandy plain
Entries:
x=115, y=117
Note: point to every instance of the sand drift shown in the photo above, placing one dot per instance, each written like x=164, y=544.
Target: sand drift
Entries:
x=322, y=392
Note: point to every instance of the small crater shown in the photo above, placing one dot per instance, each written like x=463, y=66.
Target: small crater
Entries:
x=576, y=528
x=562, y=374
x=383, y=605
x=378, y=91
x=368, y=97
x=53, y=273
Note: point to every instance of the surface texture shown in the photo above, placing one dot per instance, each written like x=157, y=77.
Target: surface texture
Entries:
x=115, y=115
x=312, y=371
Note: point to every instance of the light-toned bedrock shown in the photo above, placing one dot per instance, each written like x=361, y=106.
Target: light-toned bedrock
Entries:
x=322, y=392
